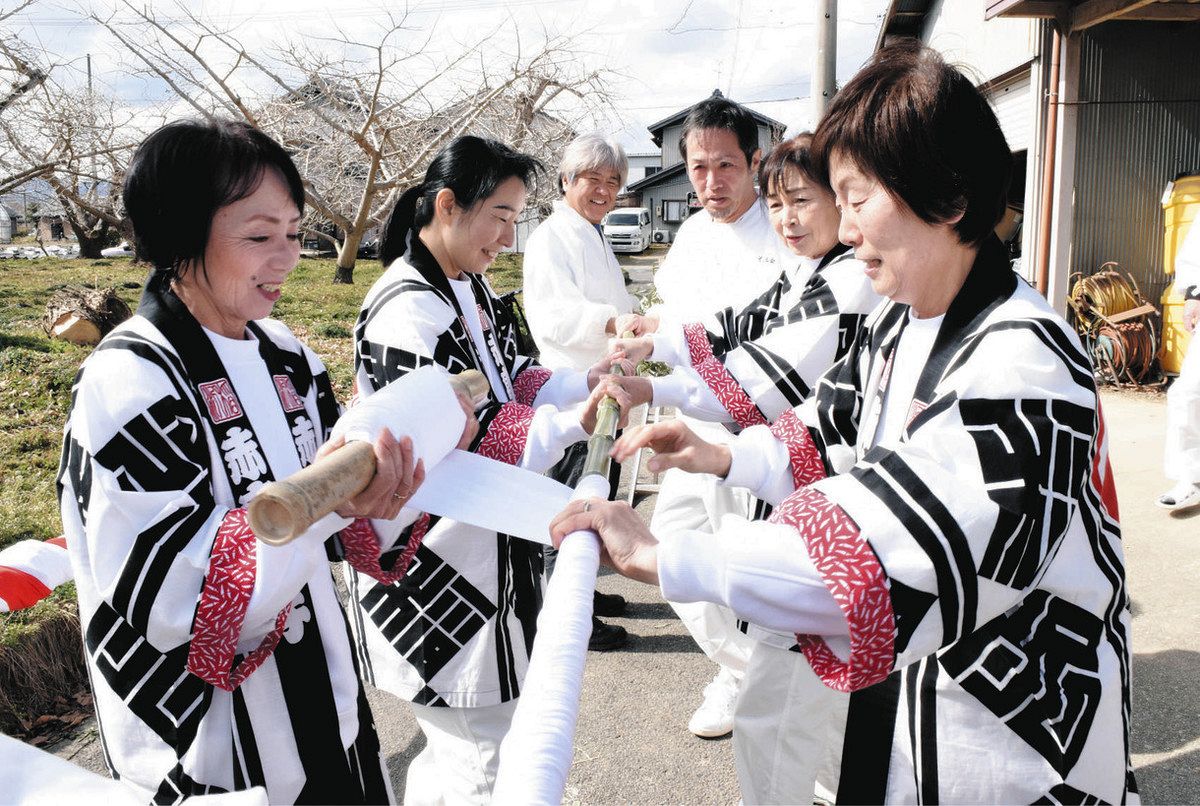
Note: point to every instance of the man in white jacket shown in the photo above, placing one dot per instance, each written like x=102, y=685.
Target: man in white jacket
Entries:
x=574, y=289
x=574, y=292
x=724, y=256
x=1183, y=398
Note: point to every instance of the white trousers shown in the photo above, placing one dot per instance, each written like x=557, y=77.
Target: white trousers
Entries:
x=1182, y=454
x=461, y=755
x=787, y=726
x=687, y=502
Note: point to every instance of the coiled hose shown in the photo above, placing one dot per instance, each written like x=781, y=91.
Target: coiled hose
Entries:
x=1115, y=321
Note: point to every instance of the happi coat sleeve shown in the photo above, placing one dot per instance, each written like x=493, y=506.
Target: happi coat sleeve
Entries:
x=766, y=359
x=978, y=563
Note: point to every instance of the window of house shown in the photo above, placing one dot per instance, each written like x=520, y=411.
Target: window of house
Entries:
x=674, y=210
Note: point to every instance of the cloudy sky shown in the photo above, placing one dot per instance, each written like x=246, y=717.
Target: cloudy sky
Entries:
x=664, y=55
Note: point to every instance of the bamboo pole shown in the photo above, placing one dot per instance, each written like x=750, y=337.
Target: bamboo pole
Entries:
x=285, y=509
x=608, y=416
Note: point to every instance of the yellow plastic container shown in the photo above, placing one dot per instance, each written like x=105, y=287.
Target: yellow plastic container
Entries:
x=1175, y=339
x=1181, y=207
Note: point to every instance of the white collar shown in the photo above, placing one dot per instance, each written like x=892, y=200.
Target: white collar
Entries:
x=573, y=215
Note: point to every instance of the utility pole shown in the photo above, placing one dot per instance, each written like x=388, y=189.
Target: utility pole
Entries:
x=824, y=74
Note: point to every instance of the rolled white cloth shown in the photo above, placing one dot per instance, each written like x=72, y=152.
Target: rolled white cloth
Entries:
x=421, y=405
x=536, y=755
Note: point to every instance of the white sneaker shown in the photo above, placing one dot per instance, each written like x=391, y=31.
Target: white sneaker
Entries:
x=714, y=717
x=1181, y=496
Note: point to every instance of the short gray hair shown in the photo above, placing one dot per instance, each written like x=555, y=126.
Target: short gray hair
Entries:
x=592, y=152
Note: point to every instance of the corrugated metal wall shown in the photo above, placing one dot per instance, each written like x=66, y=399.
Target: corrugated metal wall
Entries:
x=1139, y=126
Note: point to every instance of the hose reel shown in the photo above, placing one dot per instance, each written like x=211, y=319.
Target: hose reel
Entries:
x=1116, y=323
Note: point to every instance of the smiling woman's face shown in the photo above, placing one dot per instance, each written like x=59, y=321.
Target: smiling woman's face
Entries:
x=802, y=213
x=474, y=237
x=253, y=245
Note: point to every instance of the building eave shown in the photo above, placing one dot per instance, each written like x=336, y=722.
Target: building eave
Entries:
x=903, y=19
x=1074, y=16
x=655, y=178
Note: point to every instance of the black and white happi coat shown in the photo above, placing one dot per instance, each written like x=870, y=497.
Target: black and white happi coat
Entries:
x=217, y=663
x=458, y=629
x=749, y=366
x=978, y=561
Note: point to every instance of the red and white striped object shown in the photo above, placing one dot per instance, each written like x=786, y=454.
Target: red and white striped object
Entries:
x=30, y=570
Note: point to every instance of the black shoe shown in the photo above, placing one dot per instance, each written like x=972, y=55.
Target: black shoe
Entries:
x=608, y=604
x=606, y=637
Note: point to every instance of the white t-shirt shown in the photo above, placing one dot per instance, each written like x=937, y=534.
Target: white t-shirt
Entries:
x=714, y=265
x=910, y=357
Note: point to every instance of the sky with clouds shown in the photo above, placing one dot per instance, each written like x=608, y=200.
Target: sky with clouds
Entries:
x=663, y=55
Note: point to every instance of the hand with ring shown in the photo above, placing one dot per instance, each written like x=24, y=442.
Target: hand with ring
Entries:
x=397, y=477
x=626, y=544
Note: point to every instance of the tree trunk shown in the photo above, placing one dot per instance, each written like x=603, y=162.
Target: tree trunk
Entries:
x=90, y=245
x=92, y=234
x=347, y=255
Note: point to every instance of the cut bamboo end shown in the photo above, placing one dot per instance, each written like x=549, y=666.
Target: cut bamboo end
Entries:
x=472, y=384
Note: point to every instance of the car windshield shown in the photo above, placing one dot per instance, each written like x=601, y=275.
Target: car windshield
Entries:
x=622, y=219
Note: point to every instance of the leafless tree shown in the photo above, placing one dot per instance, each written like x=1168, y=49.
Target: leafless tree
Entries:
x=363, y=115
x=74, y=140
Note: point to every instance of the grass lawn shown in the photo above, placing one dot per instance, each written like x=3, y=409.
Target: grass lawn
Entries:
x=36, y=374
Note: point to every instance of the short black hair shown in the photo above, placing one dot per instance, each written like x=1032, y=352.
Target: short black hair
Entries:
x=472, y=168
x=719, y=112
x=922, y=129
x=187, y=170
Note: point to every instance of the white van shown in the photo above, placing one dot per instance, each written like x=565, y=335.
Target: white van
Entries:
x=627, y=229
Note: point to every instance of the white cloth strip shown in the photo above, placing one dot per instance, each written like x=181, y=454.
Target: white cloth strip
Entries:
x=421, y=405
x=536, y=755
x=473, y=489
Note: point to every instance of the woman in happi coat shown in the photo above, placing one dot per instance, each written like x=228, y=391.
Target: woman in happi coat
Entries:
x=217, y=663
x=454, y=636
x=945, y=542
x=747, y=368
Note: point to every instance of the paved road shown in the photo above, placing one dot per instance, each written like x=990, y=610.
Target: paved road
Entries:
x=633, y=746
